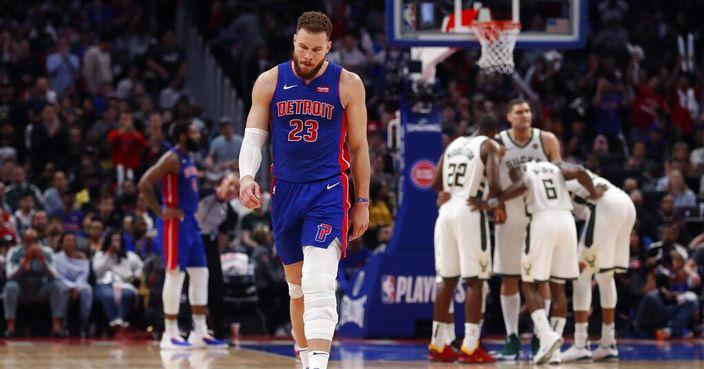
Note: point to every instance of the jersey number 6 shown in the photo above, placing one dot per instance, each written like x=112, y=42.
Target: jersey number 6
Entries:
x=307, y=131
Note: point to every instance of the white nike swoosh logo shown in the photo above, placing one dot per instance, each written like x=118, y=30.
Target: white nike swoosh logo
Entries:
x=332, y=185
x=286, y=87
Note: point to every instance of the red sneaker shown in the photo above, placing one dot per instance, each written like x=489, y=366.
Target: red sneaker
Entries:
x=478, y=356
x=446, y=354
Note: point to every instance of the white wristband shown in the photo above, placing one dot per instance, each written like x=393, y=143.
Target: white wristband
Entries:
x=251, y=151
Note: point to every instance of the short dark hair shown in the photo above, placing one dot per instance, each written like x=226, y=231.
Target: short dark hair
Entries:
x=514, y=102
x=179, y=128
x=315, y=22
x=488, y=123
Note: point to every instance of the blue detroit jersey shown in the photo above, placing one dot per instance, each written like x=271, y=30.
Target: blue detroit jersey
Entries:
x=308, y=126
x=181, y=191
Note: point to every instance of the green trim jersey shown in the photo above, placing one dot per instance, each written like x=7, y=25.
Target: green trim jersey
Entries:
x=463, y=168
x=547, y=188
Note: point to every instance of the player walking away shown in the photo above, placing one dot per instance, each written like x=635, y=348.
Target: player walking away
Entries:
x=550, y=248
x=314, y=109
x=603, y=251
x=469, y=167
x=522, y=143
x=180, y=236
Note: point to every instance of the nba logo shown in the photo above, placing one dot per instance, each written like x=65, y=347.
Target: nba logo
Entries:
x=388, y=289
x=409, y=17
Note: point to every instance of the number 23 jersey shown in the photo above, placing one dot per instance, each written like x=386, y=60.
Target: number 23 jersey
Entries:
x=308, y=126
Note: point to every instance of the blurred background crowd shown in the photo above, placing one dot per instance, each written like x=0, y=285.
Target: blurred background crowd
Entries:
x=89, y=88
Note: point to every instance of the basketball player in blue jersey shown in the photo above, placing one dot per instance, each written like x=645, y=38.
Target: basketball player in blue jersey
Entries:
x=180, y=237
x=315, y=110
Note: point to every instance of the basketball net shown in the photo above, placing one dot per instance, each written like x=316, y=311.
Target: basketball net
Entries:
x=498, y=39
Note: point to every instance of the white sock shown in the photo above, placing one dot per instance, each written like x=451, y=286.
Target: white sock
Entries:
x=471, y=336
x=303, y=353
x=449, y=332
x=199, y=325
x=608, y=335
x=540, y=321
x=547, y=307
x=481, y=326
x=581, y=334
x=558, y=324
x=171, y=328
x=510, y=307
x=438, y=336
x=318, y=360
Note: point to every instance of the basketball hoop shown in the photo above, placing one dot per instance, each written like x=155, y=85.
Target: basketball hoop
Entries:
x=498, y=38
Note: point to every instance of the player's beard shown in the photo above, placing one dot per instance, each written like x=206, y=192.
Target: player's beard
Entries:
x=305, y=75
x=192, y=145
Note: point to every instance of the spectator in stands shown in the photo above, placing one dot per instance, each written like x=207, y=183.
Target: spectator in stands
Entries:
x=53, y=200
x=19, y=187
x=126, y=144
x=99, y=130
x=49, y=139
x=39, y=222
x=682, y=196
x=4, y=206
x=23, y=215
x=269, y=275
x=668, y=311
x=73, y=268
x=63, y=67
x=224, y=149
x=32, y=279
x=117, y=271
x=97, y=66
x=54, y=229
x=696, y=157
x=71, y=218
x=95, y=236
x=258, y=217
x=108, y=214
x=167, y=62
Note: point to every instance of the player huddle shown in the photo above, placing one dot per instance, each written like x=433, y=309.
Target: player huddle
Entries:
x=518, y=177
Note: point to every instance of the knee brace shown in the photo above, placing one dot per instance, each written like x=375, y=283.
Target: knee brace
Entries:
x=171, y=292
x=198, y=286
x=582, y=292
x=318, y=285
x=294, y=291
x=607, y=289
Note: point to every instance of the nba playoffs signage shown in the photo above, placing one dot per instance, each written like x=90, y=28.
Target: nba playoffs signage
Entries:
x=396, y=289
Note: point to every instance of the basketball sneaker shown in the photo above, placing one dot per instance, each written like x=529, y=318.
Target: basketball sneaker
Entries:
x=205, y=341
x=479, y=355
x=511, y=349
x=576, y=353
x=608, y=353
x=174, y=343
x=551, y=342
x=445, y=354
x=556, y=357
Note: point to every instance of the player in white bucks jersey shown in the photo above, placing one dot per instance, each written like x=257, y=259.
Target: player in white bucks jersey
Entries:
x=521, y=143
x=469, y=167
x=550, y=249
x=603, y=250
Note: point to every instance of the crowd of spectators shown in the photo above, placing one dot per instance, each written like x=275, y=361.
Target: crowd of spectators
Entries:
x=88, y=90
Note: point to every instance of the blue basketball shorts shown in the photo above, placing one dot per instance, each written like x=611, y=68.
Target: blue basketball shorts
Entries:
x=181, y=243
x=309, y=214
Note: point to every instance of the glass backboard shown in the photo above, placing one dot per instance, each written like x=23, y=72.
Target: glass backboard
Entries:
x=560, y=24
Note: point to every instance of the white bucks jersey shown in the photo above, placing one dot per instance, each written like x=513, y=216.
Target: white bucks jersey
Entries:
x=580, y=194
x=546, y=188
x=463, y=168
x=516, y=155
